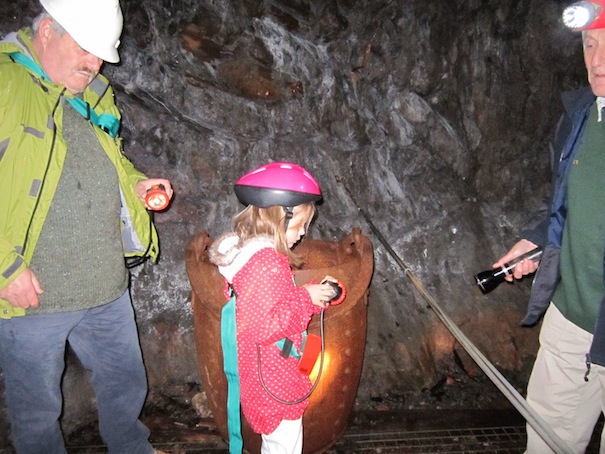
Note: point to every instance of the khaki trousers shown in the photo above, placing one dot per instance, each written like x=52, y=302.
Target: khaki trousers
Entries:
x=557, y=390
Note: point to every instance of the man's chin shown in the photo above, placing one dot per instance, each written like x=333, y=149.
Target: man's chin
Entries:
x=79, y=87
x=80, y=83
x=76, y=90
x=598, y=89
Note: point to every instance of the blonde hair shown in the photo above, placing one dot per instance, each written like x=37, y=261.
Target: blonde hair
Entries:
x=254, y=221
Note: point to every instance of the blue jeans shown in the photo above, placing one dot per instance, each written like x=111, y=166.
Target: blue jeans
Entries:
x=105, y=339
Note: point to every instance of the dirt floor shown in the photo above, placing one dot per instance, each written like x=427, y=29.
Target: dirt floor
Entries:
x=458, y=414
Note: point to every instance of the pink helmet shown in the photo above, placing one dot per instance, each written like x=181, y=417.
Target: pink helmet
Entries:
x=277, y=183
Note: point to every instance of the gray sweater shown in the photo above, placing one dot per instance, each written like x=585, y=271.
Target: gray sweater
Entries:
x=79, y=258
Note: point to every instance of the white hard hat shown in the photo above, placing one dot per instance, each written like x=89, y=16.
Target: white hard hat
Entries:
x=96, y=25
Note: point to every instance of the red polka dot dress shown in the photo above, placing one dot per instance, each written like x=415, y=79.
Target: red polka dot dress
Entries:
x=269, y=307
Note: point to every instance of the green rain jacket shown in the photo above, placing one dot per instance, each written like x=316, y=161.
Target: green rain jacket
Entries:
x=32, y=152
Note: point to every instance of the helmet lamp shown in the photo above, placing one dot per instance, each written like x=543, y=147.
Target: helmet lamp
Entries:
x=584, y=15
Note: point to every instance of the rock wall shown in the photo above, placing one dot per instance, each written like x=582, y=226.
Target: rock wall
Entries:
x=433, y=117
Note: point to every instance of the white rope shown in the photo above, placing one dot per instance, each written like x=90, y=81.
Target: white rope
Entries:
x=537, y=423
x=535, y=420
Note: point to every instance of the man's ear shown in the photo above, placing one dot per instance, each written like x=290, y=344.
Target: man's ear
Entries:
x=45, y=30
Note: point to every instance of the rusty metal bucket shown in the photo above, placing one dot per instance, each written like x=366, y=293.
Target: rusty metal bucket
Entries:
x=351, y=261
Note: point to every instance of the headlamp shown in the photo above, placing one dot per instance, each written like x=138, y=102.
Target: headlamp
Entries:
x=584, y=15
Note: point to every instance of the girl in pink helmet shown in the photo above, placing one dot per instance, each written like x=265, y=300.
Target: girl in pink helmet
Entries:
x=256, y=259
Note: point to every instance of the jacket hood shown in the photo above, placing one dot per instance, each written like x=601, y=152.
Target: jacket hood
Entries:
x=19, y=42
x=230, y=255
x=577, y=99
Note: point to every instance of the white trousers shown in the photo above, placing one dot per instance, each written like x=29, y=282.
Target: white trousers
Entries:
x=557, y=390
x=287, y=438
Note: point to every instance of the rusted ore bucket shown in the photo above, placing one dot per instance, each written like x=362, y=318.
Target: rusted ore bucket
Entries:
x=349, y=260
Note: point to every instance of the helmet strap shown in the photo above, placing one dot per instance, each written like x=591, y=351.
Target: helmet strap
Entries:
x=289, y=213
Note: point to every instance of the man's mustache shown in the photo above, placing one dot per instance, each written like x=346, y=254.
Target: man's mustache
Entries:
x=87, y=70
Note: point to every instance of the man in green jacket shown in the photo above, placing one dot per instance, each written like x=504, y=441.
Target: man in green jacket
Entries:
x=72, y=208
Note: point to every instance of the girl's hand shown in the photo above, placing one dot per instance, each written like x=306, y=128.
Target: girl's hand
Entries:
x=321, y=293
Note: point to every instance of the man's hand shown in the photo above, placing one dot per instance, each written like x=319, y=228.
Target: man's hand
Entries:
x=23, y=291
x=522, y=268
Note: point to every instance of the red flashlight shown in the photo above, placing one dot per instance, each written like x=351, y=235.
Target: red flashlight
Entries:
x=156, y=198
